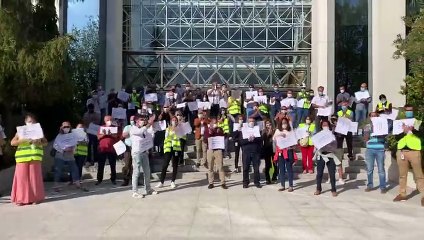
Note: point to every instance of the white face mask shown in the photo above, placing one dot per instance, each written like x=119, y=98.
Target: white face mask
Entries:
x=308, y=121
x=139, y=111
x=251, y=124
x=66, y=130
x=321, y=93
x=342, y=91
x=173, y=123
x=251, y=89
x=363, y=89
x=28, y=123
x=289, y=95
x=275, y=89
x=240, y=122
x=200, y=115
x=108, y=123
x=284, y=126
x=325, y=128
x=132, y=123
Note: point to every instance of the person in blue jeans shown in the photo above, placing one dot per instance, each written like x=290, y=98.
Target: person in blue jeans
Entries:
x=361, y=109
x=375, y=153
x=284, y=156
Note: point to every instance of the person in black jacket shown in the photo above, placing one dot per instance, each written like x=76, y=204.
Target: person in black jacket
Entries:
x=237, y=137
x=251, y=147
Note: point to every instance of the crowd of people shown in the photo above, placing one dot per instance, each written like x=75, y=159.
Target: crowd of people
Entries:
x=255, y=124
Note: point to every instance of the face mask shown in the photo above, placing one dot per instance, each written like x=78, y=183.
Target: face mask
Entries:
x=165, y=110
x=260, y=93
x=344, y=108
x=321, y=93
x=342, y=91
x=275, y=89
x=251, y=89
x=132, y=123
x=325, y=128
x=205, y=99
x=171, y=97
x=311, y=94
x=240, y=122
x=66, y=130
x=409, y=114
x=308, y=121
x=144, y=107
x=362, y=89
x=284, y=126
x=28, y=123
x=289, y=95
x=173, y=123
x=283, y=111
x=108, y=123
x=383, y=100
x=200, y=115
x=251, y=124
x=139, y=111
x=134, y=91
x=303, y=90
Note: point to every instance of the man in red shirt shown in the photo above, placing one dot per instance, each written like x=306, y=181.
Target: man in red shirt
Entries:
x=214, y=155
x=108, y=135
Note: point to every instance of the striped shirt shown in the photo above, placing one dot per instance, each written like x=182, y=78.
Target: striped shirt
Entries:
x=374, y=142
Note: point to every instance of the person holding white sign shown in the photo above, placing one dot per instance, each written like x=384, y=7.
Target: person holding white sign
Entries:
x=200, y=125
x=106, y=150
x=29, y=154
x=322, y=102
x=251, y=148
x=326, y=156
x=183, y=139
x=362, y=99
x=224, y=123
x=81, y=150
x=375, y=153
x=172, y=150
x=383, y=106
x=127, y=170
x=65, y=144
x=306, y=146
x=91, y=118
x=345, y=112
x=214, y=136
x=237, y=137
x=286, y=156
x=291, y=103
x=214, y=95
x=140, y=133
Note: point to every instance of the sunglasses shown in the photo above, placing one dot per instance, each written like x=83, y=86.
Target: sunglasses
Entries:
x=178, y=115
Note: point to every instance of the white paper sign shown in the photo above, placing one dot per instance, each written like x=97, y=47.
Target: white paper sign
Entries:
x=159, y=126
x=223, y=103
x=261, y=125
x=236, y=127
x=123, y=96
x=146, y=143
x=65, y=141
x=380, y=126
x=181, y=105
x=260, y=99
x=327, y=111
x=251, y=94
x=30, y=132
x=322, y=139
x=192, y=106
x=247, y=132
x=216, y=143
x=300, y=103
x=204, y=105
x=213, y=99
x=288, y=141
x=93, y=129
x=151, y=97
x=353, y=127
x=131, y=106
x=391, y=116
x=119, y=113
x=186, y=127
x=113, y=130
x=120, y=148
x=301, y=133
x=398, y=125
x=343, y=125
x=362, y=95
x=80, y=134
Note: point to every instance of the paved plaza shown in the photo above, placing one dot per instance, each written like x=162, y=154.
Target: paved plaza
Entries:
x=191, y=211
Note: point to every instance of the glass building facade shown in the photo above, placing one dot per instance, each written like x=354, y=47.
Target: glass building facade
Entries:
x=167, y=42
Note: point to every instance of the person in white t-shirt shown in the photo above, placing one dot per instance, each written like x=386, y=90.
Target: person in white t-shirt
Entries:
x=291, y=103
x=95, y=101
x=321, y=101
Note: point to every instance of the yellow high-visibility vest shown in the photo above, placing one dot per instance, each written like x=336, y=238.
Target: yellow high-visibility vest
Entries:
x=234, y=106
x=311, y=129
x=27, y=152
x=411, y=141
x=347, y=114
x=171, y=141
x=81, y=149
x=382, y=107
x=225, y=125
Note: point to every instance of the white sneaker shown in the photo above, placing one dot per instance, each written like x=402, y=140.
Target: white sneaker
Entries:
x=173, y=185
x=160, y=185
x=137, y=195
x=152, y=192
x=341, y=182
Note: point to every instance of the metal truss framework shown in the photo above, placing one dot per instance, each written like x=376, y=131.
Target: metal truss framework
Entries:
x=239, y=42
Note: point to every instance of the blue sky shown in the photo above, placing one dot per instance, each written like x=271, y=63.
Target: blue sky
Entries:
x=80, y=12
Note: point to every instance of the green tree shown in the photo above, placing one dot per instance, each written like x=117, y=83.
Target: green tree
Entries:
x=83, y=54
x=412, y=49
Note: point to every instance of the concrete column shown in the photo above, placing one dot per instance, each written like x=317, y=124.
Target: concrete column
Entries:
x=135, y=25
x=385, y=73
x=62, y=15
x=114, y=14
x=323, y=50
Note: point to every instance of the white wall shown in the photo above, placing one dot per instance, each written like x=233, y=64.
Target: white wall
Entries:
x=386, y=74
x=322, y=69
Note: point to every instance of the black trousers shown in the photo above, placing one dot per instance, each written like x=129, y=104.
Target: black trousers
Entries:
x=101, y=167
x=331, y=166
x=214, y=110
x=269, y=157
x=174, y=156
x=181, y=155
x=340, y=138
x=80, y=160
x=254, y=159
x=93, y=143
x=236, y=154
